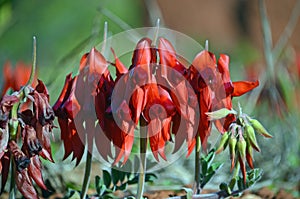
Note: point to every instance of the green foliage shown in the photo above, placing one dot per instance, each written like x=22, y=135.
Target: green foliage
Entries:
x=253, y=176
x=208, y=167
x=117, y=179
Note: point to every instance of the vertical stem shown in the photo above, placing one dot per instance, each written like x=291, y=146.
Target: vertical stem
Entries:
x=87, y=177
x=143, y=150
x=12, y=188
x=197, y=165
x=32, y=74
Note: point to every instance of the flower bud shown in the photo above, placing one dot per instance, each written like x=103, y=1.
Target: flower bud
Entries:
x=250, y=136
x=223, y=142
x=241, y=147
x=259, y=128
x=232, y=145
x=249, y=152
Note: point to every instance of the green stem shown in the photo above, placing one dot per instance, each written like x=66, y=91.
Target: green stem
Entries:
x=197, y=165
x=12, y=188
x=32, y=74
x=87, y=177
x=143, y=150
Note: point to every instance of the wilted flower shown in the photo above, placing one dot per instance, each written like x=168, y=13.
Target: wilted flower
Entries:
x=36, y=123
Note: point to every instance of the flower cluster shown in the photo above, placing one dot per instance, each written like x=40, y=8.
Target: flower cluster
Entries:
x=25, y=114
x=241, y=140
x=158, y=91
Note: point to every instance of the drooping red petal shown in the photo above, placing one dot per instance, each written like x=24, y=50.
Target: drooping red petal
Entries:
x=4, y=136
x=25, y=186
x=226, y=84
x=168, y=58
x=35, y=171
x=5, y=163
x=137, y=101
x=242, y=87
x=64, y=93
x=121, y=69
x=43, y=134
x=205, y=101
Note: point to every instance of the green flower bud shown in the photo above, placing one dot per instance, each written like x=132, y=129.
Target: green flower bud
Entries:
x=250, y=136
x=259, y=128
x=241, y=147
x=223, y=142
x=232, y=145
x=249, y=152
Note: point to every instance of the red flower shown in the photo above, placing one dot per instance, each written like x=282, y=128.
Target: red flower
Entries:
x=16, y=78
x=226, y=90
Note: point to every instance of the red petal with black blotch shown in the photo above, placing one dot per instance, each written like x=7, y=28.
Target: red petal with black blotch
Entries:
x=43, y=110
x=5, y=163
x=30, y=140
x=43, y=134
x=25, y=186
x=35, y=171
x=242, y=87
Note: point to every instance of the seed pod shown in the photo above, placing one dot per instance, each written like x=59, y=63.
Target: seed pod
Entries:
x=259, y=128
x=250, y=133
x=223, y=142
x=232, y=144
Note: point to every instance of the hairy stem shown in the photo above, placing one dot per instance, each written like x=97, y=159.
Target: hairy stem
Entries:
x=86, y=179
x=197, y=165
x=143, y=150
x=33, y=69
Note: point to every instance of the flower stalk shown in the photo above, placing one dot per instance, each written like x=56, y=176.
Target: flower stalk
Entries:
x=87, y=175
x=143, y=150
x=197, y=165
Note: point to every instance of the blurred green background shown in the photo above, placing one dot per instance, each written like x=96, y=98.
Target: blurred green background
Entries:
x=65, y=30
